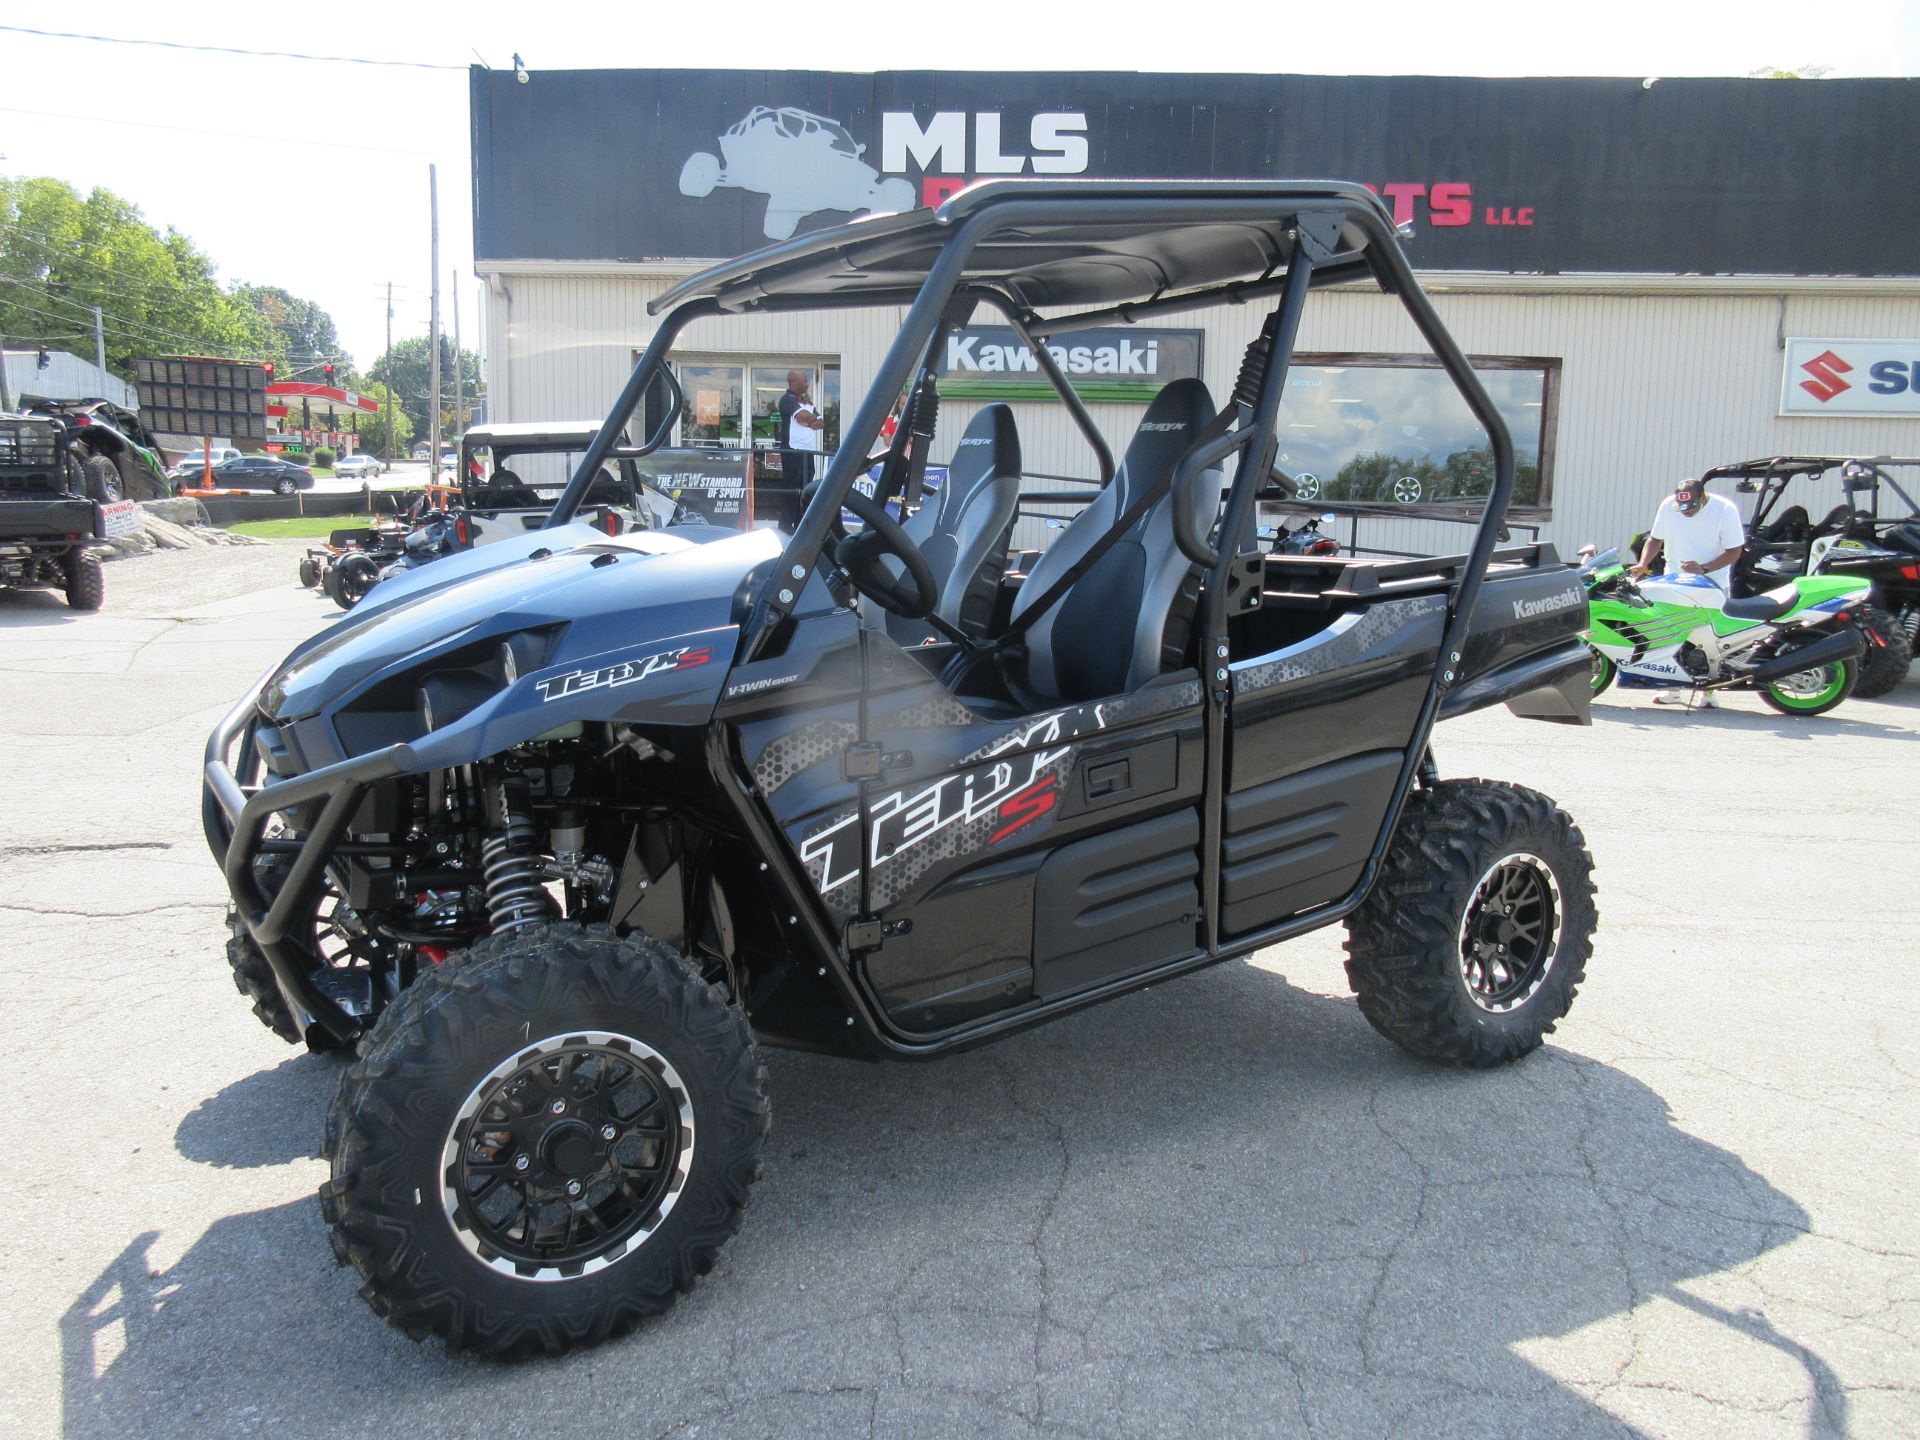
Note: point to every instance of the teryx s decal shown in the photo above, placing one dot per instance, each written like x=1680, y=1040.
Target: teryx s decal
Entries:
x=559, y=687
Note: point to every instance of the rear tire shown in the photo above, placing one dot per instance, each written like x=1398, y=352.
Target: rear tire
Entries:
x=1811, y=692
x=524, y=1049
x=1474, y=941
x=86, y=581
x=349, y=579
x=1882, y=667
x=284, y=485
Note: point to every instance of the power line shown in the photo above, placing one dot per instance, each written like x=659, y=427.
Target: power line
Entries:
x=135, y=330
x=196, y=130
x=230, y=50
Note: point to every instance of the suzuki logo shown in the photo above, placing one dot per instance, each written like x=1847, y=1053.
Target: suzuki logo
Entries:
x=1826, y=368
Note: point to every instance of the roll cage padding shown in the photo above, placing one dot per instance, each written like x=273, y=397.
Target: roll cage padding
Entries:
x=964, y=529
x=1113, y=628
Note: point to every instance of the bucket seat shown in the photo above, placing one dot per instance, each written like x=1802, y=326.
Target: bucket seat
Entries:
x=963, y=530
x=1130, y=617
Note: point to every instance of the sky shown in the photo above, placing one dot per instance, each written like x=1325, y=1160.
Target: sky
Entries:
x=313, y=176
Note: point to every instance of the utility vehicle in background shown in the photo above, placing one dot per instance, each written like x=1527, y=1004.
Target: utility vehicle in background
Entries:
x=1853, y=538
x=51, y=513
x=556, y=834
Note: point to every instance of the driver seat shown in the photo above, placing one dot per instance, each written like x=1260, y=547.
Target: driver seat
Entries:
x=963, y=530
x=1130, y=617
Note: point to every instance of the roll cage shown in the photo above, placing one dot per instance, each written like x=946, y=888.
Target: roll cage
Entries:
x=1051, y=257
x=1770, y=479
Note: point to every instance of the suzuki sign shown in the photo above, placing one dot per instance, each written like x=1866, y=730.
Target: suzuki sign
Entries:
x=1851, y=378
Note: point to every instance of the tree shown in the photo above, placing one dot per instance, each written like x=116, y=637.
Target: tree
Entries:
x=373, y=428
x=411, y=378
x=306, y=331
x=61, y=255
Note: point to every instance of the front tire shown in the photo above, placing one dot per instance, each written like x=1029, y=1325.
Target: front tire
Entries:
x=548, y=1140
x=1474, y=940
x=1604, y=671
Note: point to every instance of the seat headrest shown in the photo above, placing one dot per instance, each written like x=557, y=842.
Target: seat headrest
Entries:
x=1172, y=423
x=990, y=445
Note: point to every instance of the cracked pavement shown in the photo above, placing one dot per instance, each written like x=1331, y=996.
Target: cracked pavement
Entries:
x=1218, y=1207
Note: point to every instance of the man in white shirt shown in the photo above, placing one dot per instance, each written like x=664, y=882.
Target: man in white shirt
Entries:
x=1702, y=534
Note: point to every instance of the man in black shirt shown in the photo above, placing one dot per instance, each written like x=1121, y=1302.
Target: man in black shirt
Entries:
x=796, y=466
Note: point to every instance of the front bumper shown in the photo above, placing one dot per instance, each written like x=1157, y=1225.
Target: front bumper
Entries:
x=235, y=806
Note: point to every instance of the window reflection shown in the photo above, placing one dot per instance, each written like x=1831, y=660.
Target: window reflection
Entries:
x=1401, y=434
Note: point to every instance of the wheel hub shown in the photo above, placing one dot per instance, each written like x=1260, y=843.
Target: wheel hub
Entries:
x=1510, y=933
x=567, y=1156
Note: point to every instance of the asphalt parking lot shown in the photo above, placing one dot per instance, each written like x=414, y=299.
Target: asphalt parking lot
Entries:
x=1222, y=1207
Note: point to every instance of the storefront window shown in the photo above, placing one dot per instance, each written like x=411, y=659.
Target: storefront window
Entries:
x=726, y=398
x=1393, y=430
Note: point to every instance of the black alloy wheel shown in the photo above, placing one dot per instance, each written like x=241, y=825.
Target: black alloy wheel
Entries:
x=1510, y=933
x=567, y=1154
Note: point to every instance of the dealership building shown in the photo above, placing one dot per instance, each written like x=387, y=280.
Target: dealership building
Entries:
x=1653, y=276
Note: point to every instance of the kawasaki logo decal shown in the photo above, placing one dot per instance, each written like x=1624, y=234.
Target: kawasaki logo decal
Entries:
x=559, y=687
x=1566, y=600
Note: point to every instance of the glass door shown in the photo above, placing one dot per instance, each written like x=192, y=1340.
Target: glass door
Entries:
x=712, y=415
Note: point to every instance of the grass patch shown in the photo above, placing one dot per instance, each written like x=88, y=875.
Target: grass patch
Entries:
x=303, y=527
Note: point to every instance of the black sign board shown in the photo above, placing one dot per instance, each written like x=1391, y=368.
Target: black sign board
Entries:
x=1709, y=176
x=710, y=483
x=203, y=397
x=1124, y=364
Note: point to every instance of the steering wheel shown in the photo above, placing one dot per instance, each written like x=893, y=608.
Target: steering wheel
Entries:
x=912, y=596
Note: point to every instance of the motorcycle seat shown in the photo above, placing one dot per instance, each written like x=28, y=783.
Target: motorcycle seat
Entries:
x=1769, y=605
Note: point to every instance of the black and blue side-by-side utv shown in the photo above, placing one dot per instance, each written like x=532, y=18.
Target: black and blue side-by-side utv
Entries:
x=554, y=834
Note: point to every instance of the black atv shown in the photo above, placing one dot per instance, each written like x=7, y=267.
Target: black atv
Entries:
x=554, y=834
x=1852, y=537
x=50, y=513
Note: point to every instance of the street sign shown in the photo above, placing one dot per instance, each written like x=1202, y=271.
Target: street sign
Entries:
x=184, y=395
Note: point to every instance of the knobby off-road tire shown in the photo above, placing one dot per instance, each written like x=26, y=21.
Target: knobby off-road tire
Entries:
x=103, y=479
x=1883, y=667
x=253, y=978
x=467, y=1076
x=86, y=581
x=1426, y=952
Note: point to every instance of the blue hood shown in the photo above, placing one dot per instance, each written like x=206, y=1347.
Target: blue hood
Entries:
x=610, y=595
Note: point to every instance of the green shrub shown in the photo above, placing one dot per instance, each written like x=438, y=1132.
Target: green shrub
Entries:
x=322, y=458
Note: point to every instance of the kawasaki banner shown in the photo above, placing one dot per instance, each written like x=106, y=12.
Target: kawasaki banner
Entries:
x=1127, y=363
x=1707, y=176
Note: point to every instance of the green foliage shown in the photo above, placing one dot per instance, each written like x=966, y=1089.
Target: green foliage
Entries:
x=411, y=378
x=306, y=332
x=323, y=458
x=373, y=428
x=61, y=255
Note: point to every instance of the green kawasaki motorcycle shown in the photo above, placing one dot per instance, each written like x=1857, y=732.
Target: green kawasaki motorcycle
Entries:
x=1799, y=645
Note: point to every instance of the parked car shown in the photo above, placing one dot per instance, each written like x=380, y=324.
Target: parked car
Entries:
x=197, y=459
x=260, y=472
x=350, y=467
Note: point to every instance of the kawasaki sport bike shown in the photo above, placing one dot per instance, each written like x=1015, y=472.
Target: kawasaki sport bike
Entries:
x=1798, y=645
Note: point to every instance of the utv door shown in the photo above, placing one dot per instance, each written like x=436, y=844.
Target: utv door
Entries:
x=1023, y=859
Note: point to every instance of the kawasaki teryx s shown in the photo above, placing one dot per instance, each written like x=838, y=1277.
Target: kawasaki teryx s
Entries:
x=555, y=834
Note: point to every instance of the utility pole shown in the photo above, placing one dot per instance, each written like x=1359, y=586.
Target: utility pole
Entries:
x=459, y=367
x=433, y=327
x=99, y=342
x=389, y=372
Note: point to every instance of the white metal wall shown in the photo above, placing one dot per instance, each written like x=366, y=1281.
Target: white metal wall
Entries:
x=1653, y=385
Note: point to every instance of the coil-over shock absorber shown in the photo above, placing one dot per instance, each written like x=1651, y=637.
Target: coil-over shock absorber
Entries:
x=512, y=867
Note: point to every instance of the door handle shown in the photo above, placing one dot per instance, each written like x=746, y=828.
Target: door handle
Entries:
x=1108, y=779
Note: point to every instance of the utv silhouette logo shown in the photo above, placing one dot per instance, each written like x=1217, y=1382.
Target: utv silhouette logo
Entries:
x=803, y=163
x=627, y=672
x=1826, y=368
